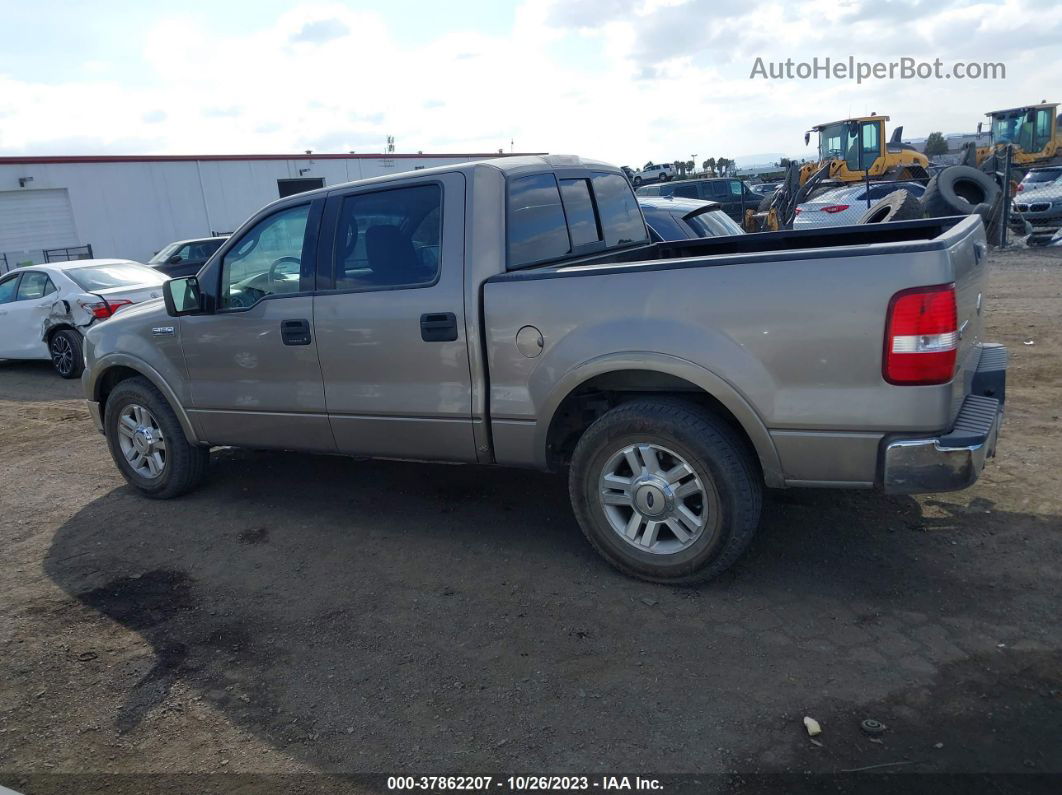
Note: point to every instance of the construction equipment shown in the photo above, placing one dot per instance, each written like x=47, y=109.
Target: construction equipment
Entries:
x=850, y=150
x=1032, y=131
x=855, y=149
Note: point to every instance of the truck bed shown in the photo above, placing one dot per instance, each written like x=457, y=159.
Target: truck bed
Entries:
x=789, y=326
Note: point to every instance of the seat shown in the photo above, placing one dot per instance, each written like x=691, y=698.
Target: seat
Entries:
x=391, y=256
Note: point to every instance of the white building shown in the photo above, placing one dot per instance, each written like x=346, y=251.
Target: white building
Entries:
x=131, y=206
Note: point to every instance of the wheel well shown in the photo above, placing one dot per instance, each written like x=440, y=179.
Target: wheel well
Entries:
x=51, y=332
x=594, y=397
x=111, y=377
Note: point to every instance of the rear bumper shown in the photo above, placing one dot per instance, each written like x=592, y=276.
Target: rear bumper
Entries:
x=953, y=460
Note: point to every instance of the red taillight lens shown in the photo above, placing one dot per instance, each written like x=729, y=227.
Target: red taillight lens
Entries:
x=921, y=336
x=101, y=310
x=1021, y=187
x=835, y=208
x=798, y=211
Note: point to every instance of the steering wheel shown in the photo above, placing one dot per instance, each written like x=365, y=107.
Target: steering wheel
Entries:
x=274, y=271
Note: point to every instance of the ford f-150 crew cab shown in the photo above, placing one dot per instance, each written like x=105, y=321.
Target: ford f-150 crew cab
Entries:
x=513, y=312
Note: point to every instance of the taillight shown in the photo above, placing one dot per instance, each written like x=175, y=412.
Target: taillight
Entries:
x=835, y=208
x=921, y=336
x=798, y=211
x=101, y=310
x=1021, y=187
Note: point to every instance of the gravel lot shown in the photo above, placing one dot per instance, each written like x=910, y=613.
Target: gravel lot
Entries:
x=303, y=614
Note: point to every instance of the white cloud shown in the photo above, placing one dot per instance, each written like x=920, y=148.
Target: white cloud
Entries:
x=623, y=81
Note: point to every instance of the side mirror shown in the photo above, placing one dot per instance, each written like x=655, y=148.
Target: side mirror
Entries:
x=174, y=259
x=182, y=296
x=807, y=138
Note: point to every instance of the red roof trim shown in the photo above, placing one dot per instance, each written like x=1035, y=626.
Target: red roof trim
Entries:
x=171, y=158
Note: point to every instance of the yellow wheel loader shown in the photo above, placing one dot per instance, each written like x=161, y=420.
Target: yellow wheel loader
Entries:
x=1033, y=133
x=855, y=149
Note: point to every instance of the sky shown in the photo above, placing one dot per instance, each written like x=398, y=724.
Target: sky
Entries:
x=626, y=81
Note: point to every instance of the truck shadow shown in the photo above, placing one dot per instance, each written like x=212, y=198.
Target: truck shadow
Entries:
x=383, y=615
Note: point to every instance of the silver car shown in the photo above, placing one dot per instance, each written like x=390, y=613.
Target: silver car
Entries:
x=1037, y=208
x=845, y=206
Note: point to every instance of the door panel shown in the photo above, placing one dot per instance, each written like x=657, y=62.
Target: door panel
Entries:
x=396, y=387
x=22, y=320
x=252, y=384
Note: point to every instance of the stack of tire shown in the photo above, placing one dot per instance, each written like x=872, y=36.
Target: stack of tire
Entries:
x=957, y=190
x=962, y=190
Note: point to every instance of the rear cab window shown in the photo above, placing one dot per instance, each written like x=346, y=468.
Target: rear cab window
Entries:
x=555, y=215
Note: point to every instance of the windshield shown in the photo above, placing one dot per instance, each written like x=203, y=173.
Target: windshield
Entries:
x=121, y=274
x=832, y=141
x=714, y=223
x=164, y=255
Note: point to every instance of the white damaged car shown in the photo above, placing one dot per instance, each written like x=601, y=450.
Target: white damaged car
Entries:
x=45, y=309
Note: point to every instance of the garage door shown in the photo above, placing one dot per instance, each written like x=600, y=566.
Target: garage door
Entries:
x=36, y=219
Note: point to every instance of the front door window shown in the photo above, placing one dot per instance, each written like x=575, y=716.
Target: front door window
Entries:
x=266, y=261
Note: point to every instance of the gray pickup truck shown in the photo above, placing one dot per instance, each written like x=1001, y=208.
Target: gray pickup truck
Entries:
x=513, y=312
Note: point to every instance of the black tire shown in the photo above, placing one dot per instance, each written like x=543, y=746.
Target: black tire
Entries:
x=900, y=205
x=957, y=190
x=64, y=347
x=185, y=464
x=718, y=457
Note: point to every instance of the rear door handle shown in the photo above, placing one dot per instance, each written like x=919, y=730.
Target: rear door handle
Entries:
x=438, y=327
x=295, y=332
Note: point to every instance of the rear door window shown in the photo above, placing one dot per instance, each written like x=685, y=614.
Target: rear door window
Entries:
x=687, y=191
x=538, y=230
x=34, y=285
x=389, y=238
x=621, y=220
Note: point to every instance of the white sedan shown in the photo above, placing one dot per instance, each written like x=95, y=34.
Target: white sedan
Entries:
x=45, y=309
x=845, y=206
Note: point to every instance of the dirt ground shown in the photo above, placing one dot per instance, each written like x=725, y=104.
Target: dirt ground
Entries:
x=304, y=614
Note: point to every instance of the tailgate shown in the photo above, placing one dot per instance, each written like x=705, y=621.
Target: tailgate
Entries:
x=969, y=261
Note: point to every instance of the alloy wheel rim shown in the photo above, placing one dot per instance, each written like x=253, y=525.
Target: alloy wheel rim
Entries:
x=142, y=442
x=62, y=354
x=654, y=500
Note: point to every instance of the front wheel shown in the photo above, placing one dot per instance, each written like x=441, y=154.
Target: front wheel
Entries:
x=148, y=444
x=665, y=491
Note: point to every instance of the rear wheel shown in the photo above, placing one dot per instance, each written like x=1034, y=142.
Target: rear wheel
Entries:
x=665, y=491
x=148, y=444
x=64, y=347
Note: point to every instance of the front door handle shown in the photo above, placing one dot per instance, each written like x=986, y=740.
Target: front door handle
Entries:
x=438, y=327
x=295, y=332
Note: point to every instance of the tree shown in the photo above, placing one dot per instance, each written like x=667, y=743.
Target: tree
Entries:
x=690, y=166
x=722, y=166
x=706, y=165
x=709, y=165
x=784, y=162
x=680, y=167
x=936, y=144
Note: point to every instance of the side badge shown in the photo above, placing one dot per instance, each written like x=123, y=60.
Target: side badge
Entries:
x=162, y=331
